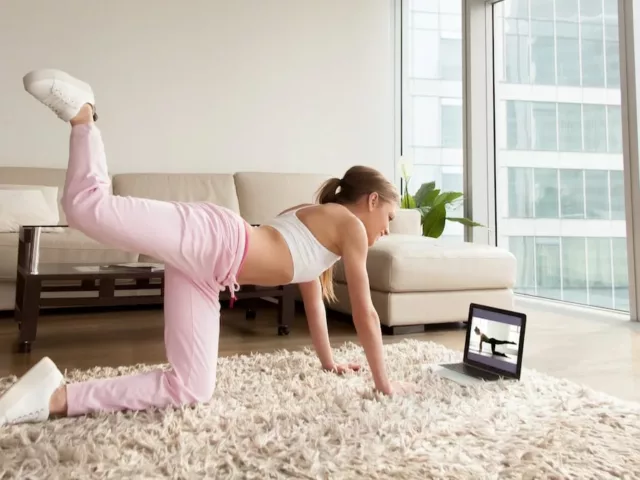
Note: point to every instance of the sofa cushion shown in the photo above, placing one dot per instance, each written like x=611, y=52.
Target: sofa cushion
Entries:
x=264, y=195
x=52, y=177
x=407, y=222
x=27, y=206
x=67, y=246
x=411, y=263
x=421, y=308
x=181, y=187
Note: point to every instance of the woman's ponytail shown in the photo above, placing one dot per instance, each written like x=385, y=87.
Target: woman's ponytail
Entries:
x=328, y=192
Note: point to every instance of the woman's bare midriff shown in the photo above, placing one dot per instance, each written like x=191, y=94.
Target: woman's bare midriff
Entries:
x=268, y=261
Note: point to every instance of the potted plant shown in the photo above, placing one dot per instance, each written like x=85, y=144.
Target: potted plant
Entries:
x=434, y=206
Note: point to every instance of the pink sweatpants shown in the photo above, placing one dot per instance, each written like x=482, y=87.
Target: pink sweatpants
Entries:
x=202, y=245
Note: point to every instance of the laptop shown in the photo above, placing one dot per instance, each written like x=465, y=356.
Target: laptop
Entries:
x=493, y=347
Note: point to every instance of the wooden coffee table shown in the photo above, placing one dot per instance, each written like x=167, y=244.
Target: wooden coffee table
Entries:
x=100, y=285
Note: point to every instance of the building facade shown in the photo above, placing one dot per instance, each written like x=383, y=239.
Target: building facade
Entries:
x=560, y=192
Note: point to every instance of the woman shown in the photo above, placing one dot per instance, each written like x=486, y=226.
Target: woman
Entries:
x=205, y=248
x=492, y=341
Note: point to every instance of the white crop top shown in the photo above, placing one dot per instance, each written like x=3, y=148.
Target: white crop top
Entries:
x=310, y=257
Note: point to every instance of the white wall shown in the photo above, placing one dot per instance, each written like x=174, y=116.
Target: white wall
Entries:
x=207, y=85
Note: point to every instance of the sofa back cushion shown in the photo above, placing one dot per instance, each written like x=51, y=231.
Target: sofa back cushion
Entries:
x=27, y=205
x=180, y=187
x=264, y=195
x=51, y=177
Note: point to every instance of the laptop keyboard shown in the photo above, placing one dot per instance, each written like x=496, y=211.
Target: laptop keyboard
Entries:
x=472, y=371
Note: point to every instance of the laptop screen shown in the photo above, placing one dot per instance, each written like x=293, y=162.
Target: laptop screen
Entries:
x=494, y=339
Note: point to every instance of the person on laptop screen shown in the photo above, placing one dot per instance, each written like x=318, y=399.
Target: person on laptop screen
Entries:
x=492, y=341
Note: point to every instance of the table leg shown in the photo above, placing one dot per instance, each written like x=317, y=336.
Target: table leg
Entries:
x=286, y=309
x=27, y=311
x=19, y=299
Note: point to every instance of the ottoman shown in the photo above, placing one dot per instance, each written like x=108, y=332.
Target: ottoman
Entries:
x=416, y=281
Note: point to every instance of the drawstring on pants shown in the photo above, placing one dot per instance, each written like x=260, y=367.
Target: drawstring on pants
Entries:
x=234, y=286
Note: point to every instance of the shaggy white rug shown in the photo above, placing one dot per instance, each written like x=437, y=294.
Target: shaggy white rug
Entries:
x=278, y=415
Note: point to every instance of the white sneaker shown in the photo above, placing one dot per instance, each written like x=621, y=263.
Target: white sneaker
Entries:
x=28, y=399
x=59, y=91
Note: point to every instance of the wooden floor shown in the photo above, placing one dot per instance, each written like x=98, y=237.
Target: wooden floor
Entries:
x=601, y=353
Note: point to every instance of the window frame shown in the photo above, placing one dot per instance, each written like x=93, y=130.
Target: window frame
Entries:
x=478, y=116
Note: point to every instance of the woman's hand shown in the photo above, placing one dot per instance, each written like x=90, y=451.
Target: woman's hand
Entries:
x=343, y=368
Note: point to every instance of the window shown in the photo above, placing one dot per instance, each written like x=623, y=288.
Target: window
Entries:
x=518, y=9
x=591, y=11
x=614, y=128
x=592, y=55
x=425, y=5
x=570, y=127
x=567, y=10
x=451, y=126
x=542, y=9
x=518, y=125
x=617, y=194
x=599, y=263
x=568, y=45
x=424, y=64
x=620, y=273
x=517, y=50
x=451, y=59
x=597, y=194
x=431, y=123
x=595, y=133
x=571, y=194
x=612, y=49
x=520, y=192
x=548, y=272
x=524, y=250
x=424, y=121
x=574, y=269
x=543, y=57
x=546, y=192
x=560, y=189
x=545, y=130
x=452, y=182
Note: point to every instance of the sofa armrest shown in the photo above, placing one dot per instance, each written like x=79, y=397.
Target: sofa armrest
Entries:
x=407, y=222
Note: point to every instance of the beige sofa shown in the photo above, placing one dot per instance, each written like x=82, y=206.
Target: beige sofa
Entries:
x=414, y=280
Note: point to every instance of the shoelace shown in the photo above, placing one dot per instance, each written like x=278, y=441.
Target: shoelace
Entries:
x=57, y=100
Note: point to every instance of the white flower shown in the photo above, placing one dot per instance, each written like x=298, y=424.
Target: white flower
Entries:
x=406, y=168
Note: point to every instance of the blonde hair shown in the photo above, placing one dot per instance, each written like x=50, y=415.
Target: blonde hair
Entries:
x=357, y=181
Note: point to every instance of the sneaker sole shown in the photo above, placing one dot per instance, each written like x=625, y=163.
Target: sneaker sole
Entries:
x=52, y=74
x=44, y=370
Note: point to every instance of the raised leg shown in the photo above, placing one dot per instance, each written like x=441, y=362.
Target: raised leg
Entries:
x=204, y=241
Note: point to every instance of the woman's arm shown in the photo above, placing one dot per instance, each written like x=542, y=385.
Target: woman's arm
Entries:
x=355, y=248
x=317, y=318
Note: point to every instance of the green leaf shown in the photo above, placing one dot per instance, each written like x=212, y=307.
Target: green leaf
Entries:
x=431, y=197
x=434, y=221
x=424, y=211
x=455, y=204
x=447, y=197
x=465, y=221
x=424, y=191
